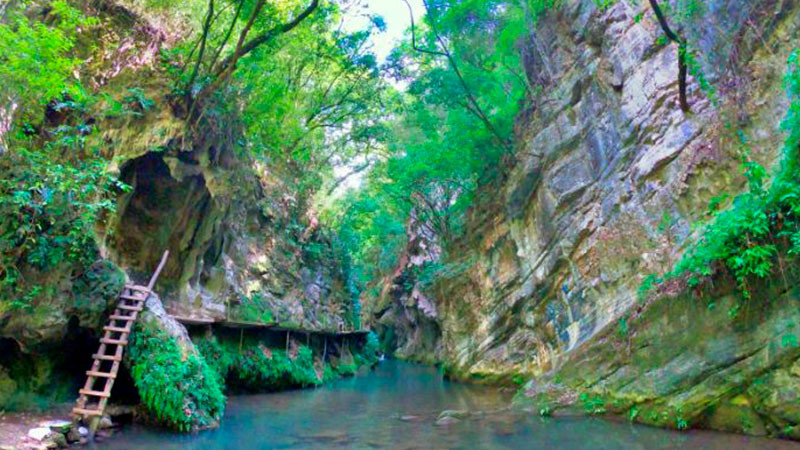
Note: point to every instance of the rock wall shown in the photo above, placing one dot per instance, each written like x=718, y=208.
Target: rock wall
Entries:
x=404, y=315
x=244, y=245
x=608, y=178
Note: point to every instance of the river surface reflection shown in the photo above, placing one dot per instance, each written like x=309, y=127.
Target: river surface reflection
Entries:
x=396, y=406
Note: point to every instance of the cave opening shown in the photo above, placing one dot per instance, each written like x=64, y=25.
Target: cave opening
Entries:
x=41, y=378
x=162, y=212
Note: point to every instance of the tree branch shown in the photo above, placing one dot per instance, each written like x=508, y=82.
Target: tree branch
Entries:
x=227, y=65
x=206, y=27
x=682, y=69
x=245, y=48
x=414, y=34
x=446, y=53
x=227, y=35
x=345, y=177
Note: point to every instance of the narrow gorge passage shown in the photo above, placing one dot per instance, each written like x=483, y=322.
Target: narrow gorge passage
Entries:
x=448, y=224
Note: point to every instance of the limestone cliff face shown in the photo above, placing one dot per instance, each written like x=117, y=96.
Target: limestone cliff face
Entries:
x=609, y=175
x=244, y=245
x=404, y=315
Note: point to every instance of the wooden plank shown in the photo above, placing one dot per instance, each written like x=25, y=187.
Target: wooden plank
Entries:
x=117, y=329
x=95, y=393
x=114, y=342
x=92, y=373
x=160, y=267
x=130, y=308
x=130, y=318
x=243, y=324
x=87, y=412
x=134, y=298
x=106, y=357
x=332, y=333
x=194, y=320
x=134, y=287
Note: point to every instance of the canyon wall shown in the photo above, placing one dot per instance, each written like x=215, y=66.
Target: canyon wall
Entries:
x=610, y=176
x=245, y=245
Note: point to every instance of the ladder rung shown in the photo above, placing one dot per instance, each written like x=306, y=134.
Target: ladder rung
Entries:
x=106, y=357
x=93, y=373
x=87, y=412
x=130, y=297
x=130, y=308
x=95, y=393
x=118, y=317
x=135, y=287
x=117, y=329
x=114, y=341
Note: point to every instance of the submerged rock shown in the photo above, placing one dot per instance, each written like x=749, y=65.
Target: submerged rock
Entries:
x=446, y=421
x=454, y=413
x=411, y=418
x=59, y=439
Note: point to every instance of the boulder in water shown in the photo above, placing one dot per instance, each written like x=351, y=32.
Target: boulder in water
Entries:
x=446, y=421
x=454, y=413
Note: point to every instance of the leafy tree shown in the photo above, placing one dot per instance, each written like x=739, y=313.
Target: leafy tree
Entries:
x=35, y=61
x=54, y=190
x=448, y=132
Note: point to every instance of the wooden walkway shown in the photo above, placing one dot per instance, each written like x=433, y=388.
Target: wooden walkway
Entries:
x=272, y=326
x=96, y=392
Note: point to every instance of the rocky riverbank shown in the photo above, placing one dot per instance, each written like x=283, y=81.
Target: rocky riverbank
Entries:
x=49, y=429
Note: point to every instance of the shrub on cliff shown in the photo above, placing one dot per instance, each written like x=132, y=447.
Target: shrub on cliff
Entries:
x=761, y=232
x=53, y=189
x=178, y=389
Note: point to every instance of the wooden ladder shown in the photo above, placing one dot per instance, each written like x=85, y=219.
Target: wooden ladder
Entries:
x=100, y=378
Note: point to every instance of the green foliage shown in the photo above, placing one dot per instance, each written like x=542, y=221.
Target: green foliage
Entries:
x=623, y=327
x=604, y=4
x=256, y=367
x=347, y=369
x=322, y=103
x=252, y=308
x=447, y=134
x=633, y=413
x=177, y=387
x=372, y=347
x=592, y=404
x=680, y=422
x=137, y=101
x=7, y=389
x=48, y=211
x=53, y=190
x=762, y=227
x=35, y=65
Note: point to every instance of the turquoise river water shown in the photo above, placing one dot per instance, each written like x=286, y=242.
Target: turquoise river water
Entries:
x=396, y=406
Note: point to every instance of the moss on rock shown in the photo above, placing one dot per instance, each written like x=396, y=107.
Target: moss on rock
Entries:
x=177, y=387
